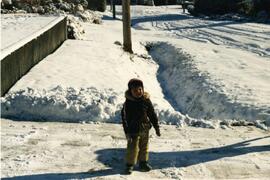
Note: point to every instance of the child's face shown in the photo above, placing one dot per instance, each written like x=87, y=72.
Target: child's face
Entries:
x=137, y=92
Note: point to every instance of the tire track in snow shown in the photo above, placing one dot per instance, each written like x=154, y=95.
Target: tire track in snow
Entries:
x=241, y=32
x=246, y=36
x=221, y=35
x=218, y=39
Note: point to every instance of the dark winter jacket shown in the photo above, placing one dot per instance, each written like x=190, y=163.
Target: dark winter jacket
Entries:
x=138, y=115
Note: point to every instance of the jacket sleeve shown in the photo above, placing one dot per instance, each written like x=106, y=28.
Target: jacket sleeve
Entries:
x=152, y=115
x=124, y=119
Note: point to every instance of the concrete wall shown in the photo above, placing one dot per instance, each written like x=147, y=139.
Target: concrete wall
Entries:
x=20, y=61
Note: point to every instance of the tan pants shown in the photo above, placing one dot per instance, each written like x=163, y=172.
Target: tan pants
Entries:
x=137, y=149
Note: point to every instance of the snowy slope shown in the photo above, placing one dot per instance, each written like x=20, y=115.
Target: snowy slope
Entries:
x=88, y=87
x=209, y=68
x=85, y=80
x=232, y=85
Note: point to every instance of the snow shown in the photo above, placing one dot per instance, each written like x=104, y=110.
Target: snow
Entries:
x=251, y=37
x=227, y=90
x=62, y=83
x=19, y=29
x=188, y=79
x=46, y=150
x=209, y=68
x=191, y=76
x=66, y=104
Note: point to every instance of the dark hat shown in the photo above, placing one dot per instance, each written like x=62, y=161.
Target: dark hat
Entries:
x=133, y=83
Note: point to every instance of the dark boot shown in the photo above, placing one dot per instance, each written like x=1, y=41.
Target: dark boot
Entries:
x=129, y=169
x=144, y=166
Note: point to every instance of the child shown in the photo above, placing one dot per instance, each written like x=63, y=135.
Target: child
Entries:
x=138, y=116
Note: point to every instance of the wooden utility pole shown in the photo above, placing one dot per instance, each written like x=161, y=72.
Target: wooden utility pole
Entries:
x=113, y=5
x=126, y=25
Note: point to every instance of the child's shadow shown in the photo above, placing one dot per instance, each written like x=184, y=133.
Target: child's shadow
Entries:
x=113, y=159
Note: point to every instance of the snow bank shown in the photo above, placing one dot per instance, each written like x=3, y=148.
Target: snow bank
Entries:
x=79, y=105
x=192, y=92
x=61, y=104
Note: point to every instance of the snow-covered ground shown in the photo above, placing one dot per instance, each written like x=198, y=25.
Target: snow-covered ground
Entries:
x=18, y=29
x=195, y=69
x=241, y=34
x=85, y=80
x=209, y=68
x=44, y=150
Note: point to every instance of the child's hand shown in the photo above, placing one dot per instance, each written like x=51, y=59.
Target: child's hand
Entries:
x=158, y=132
